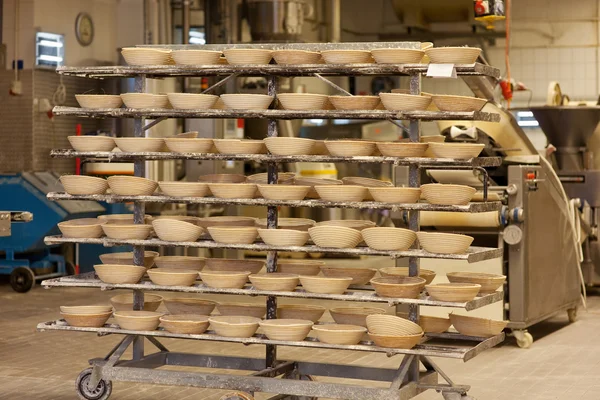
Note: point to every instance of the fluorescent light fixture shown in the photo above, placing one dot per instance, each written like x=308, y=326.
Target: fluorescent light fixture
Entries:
x=195, y=40
x=197, y=34
x=50, y=43
x=524, y=114
x=528, y=123
x=316, y=121
x=46, y=57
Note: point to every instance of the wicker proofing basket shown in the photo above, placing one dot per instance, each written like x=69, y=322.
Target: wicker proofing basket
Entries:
x=460, y=151
x=453, y=55
x=386, y=238
x=384, y=324
x=445, y=243
x=288, y=146
x=458, y=103
x=474, y=326
x=489, y=282
x=406, y=287
x=335, y=236
x=456, y=292
x=302, y=101
x=295, y=57
x=447, y=194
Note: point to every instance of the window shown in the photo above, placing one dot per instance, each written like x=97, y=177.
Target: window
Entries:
x=49, y=49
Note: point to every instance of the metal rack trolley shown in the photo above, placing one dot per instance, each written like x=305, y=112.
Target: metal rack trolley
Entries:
x=406, y=381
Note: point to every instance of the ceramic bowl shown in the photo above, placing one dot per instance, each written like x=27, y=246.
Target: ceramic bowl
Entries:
x=360, y=276
x=460, y=151
x=189, y=145
x=192, y=101
x=458, y=103
x=299, y=267
x=145, y=100
x=384, y=324
x=302, y=101
x=247, y=101
x=275, y=281
x=139, y=144
x=456, y=292
x=432, y=324
x=131, y=185
x=283, y=192
x=406, y=287
x=295, y=57
x=178, y=306
x=426, y=274
x=353, y=315
x=87, y=320
x=224, y=279
x=81, y=228
x=402, y=149
x=92, y=143
x=283, y=237
x=185, y=324
x=233, y=190
x=350, y=148
x=404, y=102
x=283, y=178
x=399, y=195
x=173, y=230
x=453, y=55
x=127, y=231
x=234, y=326
x=346, y=56
x=397, y=56
x=138, y=320
x=445, y=243
x=119, y=274
x=233, y=265
x=180, y=262
x=448, y=194
x=248, y=56
x=489, y=282
x=323, y=284
x=255, y=310
x=474, y=326
x=222, y=178
x=173, y=277
x=286, y=329
x=240, y=146
x=233, y=234
x=339, y=334
x=298, y=224
x=196, y=57
x=344, y=193
x=396, y=341
x=354, y=102
x=83, y=310
x=184, y=189
x=312, y=182
x=389, y=239
x=82, y=184
x=338, y=237
x=146, y=56
x=91, y=101
x=226, y=220
x=124, y=302
x=358, y=224
x=289, y=146
x=300, y=311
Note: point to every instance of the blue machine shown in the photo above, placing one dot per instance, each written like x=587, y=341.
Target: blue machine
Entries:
x=26, y=257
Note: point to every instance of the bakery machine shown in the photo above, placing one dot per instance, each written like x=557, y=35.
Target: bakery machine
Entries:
x=537, y=226
x=23, y=254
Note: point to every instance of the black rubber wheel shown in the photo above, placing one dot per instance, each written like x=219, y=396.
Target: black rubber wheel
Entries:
x=69, y=268
x=22, y=279
x=100, y=392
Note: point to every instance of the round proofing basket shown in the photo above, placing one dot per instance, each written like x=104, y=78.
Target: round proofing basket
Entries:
x=189, y=145
x=185, y=324
x=460, y=151
x=295, y=57
x=338, y=237
x=248, y=56
x=458, y=103
x=426, y=274
x=246, y=101
x=344, y=193
x=99, y=101
x=407, y=287
x=286, y=329
x=401, y=195
x=489, y=282
x=92, y=143
x=81, y=228
x=353, y=315
x=458, y=292
x=404, y=102
x=402, y=149
x=287, y=146
x=453, y=55
x=224, y=279
x=233, y=234
x=234, y=326
x=384, y=324
x=350, y=148
x=283, y=237
x=180, y=306
x=339, y=334
x=346, y=56
x=397, y=56
x=283, y=192
x=196, y=57
x=195, y=101
x=275, y=281
x=386, y=238
x=354, y=102
x=300, y=311
x=474, y=326
x=302, y=101
x=360, y=276
x=81, y=184
x=447, y=194
x=444, y=243
x=131, y=185
x=173, y=230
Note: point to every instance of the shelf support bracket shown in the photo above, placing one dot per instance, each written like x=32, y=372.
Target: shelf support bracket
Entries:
x=402, y=371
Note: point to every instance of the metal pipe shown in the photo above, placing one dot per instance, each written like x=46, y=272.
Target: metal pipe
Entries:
x=335, y=26
x=186, y=21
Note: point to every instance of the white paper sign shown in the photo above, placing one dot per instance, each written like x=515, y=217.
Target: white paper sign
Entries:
x=441, y=71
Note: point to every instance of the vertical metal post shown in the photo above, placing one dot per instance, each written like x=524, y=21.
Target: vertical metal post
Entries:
x=272, y=215
x=139, y=211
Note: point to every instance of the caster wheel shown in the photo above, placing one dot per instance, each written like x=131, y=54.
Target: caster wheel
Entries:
x=100, y=392
x=22, y=279
x=237, y=396
x=294, y=375
x=572, y=314
x=524, y=339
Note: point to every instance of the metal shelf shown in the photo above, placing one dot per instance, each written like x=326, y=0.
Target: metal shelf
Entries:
x=150, y=71
x=464, y=351
x=89, y=280
x=111, y=198
x=423, y=162
x=274, y=114
x=473, y=254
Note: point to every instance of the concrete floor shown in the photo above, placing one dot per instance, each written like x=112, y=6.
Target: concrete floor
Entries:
x=563, y=363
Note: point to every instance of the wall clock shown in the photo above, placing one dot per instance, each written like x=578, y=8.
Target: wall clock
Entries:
x=84, y=29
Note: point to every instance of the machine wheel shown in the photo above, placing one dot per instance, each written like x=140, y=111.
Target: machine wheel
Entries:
x=100, y=392
x=22, y=279
x=69, y=268
x=237, y=396
x=294, y=375
x=572, y=314
x=524, y=339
